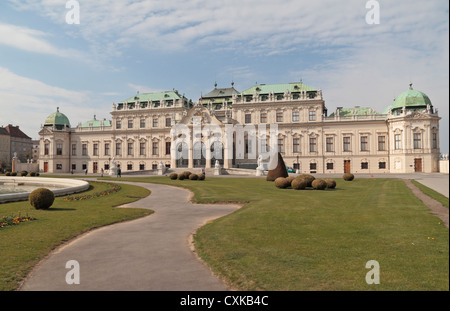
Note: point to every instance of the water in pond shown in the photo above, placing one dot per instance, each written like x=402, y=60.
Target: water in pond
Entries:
x=11, y=188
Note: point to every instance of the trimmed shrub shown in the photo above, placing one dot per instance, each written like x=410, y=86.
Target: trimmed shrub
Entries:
x=282, y=182
x=37, y=174
x=186, y=174
x=299, y=184
x=13, y=174
x=201, y=177
x=319, y=184
x=41, y=198
x=290, y=179
x=331, y=183
x=32, y=174
x=23, y=173
x=193, y=177
x=8, y=174
x=309, y=179
x=181, y=177
x=348, y=176
x=173, y=176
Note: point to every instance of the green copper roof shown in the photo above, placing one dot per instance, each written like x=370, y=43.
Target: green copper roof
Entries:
x=278, y=88
x=411, y=99
x=57, y=118
x=221, y=93
x=96, y=123
x=170, y=95
x=359, y=111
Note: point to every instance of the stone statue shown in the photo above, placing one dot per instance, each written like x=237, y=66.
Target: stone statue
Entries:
x=217, y=165
x=160, y=165
x=112, y=167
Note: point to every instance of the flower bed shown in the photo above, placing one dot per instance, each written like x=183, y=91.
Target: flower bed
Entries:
x=114, y=188
x=6, y=221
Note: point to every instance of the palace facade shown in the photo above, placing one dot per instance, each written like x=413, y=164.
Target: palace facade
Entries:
x=402, y=139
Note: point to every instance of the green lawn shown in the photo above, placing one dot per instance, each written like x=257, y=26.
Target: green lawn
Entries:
x=23, y=246
x=311, y=240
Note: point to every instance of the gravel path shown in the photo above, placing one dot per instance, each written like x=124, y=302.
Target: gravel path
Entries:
x=436, y=207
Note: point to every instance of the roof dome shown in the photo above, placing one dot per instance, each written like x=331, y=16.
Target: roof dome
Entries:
x=410, y=99
x=57, y=118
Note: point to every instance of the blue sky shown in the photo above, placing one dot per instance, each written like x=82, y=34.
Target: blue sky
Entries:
x=121, y=47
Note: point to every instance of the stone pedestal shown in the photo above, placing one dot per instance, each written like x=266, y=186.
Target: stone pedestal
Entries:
x=217, y=169
x=259, y=171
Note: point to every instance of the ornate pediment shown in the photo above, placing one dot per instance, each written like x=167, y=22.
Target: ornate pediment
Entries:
x=417, y=115
x=199, y=115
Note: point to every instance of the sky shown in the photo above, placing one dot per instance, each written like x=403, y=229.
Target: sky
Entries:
x=121, y=47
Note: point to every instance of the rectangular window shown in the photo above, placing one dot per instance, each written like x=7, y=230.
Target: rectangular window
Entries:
x=141, y=167
x=95, y=151
x=346, y=143
x=130, y=149
x=263, y=117
x=279, y=116
x=296, y=144
x=381, y=143
x=154, y=166
x=118, y=124
x=84, y=151
x=248, y=118
x=155, y=122
x=312, y=115
x=84, y=167
x=130, y=123
x=74, y=149
x=312, y=145
x=168, y=146
x=141, y=149
x=330, y=145
x=107, y=149
x=364, y=143
x=398, y=141
x=381, y=165
x=59, y=166
x=280, y=145
x=312, y=166
x=142, y=123
x=434, y=141
x=417, y=141
x=106, y=166
x=155, y=148
x=168, y=122
x=295, y=116
x=118, y=149
x=364, y=165
x=59, y=149
x=46, y=149
x=330, y=166
x=130, y=167
x=74, y=167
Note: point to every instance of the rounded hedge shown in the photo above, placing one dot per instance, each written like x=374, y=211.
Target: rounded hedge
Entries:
x=309, y=179
x=193, y=177
x=13, y=174
x=319, y=184
x=8, y=174
x=348, y=176
x=299, y=184
x=32, y=174
x=201, y=177
x=282, y=182
x=331, y=183
x=173, y=176
x=41, y=198
x=23, y=173
x=181, y=177
x=186, y=174
x=290, y=179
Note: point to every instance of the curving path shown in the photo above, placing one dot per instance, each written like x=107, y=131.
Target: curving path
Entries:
x=150, y=253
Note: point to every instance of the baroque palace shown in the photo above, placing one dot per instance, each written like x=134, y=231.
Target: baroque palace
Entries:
x=402, y=139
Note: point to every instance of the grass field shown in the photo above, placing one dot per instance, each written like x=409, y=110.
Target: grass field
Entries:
x=310, y=240
x=22, y=246
x=431, y=193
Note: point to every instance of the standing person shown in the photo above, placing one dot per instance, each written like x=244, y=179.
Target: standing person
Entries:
x=203, y=171
x=119, y=172
x=85, y=172
x=101, y=171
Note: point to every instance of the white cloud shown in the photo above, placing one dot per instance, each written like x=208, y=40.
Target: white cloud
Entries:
x=27, y=102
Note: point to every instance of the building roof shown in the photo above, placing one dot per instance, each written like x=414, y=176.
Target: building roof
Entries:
x=278, y=88
x=358, y=111
x=14, y=131
x=96, y=123
x=221, y=93
x=3, y=131
x=57, y=118
x=410, y=99
x=146, y=97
